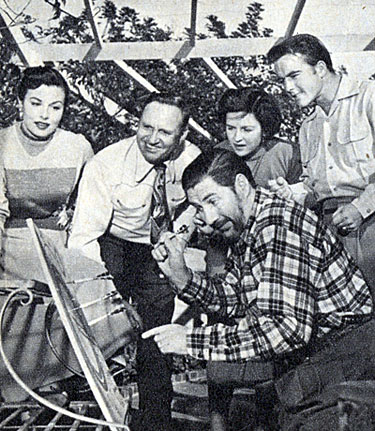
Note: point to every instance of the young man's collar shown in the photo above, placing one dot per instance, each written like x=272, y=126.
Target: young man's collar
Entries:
x=347, y=88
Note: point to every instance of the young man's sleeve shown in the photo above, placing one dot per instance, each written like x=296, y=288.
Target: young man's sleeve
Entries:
x=302, y=192
x=365, y=202
x=92, y=213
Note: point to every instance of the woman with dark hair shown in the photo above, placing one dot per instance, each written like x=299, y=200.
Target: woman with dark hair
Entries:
x=252, y=120
x=42, y=164
x=40, y=167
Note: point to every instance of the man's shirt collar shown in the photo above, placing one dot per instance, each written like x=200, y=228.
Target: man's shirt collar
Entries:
x=347, y=88
x=142, y=168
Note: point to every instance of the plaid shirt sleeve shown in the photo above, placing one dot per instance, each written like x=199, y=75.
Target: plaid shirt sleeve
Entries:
x=281, y=277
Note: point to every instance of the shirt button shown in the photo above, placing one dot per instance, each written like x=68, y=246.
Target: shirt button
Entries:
x=368, y=210
x=330, y=167
x=329, y=144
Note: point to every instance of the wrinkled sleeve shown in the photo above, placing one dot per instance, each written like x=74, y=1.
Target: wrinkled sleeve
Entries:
x=302, y=192
x=365, y=202
x=4, y=206
x=278, y=320
x=92, y=213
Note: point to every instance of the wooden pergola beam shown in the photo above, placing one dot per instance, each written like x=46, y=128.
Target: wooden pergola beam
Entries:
x=148, y=86
x=169, y=50
x=295, y=18
x=193, y=21
x=218, y=72
x=90, y=15
x=97, y=46
x=8, y=35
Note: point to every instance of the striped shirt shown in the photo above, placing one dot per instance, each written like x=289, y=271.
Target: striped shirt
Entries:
x=287, y=276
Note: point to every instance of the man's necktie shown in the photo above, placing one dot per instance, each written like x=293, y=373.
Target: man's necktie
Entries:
x=160, y=219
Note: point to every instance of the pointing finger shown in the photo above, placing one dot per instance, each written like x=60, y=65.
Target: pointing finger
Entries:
x=154, y=331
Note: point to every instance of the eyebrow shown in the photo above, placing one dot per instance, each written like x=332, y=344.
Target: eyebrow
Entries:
x=208, y=196
x=40, y=100
x=163, y=129
x=289, y=74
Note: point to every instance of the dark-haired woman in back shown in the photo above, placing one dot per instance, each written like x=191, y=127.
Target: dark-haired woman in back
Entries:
x=252, y=120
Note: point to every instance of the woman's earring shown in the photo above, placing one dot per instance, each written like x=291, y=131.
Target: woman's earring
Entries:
x=20, y=112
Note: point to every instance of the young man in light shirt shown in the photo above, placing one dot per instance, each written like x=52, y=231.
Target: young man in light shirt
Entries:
x=337, y=144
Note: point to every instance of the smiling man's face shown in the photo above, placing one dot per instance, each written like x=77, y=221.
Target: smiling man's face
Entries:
x=160, y=134
x=300, y=79
x=218, y=208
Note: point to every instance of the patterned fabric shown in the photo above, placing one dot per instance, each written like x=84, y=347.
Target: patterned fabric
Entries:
x=160, y=219
x=288, y=277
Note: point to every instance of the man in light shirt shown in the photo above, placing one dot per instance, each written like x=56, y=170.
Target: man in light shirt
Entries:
x=337, y=145
x=112, y=222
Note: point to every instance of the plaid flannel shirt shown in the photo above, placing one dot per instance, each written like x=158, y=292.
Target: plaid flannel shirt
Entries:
x=287, y=275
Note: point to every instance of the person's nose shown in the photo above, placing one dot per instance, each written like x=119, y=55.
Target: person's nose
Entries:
x=238, y=135
x=289, y=85
x=210, y=216
x=154, y=137
x=44, y=112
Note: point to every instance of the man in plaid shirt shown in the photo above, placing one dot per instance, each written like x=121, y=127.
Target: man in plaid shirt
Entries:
x=288, y=283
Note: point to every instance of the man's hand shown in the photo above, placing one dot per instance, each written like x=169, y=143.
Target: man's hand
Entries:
x=169, y=338
x=347, y=218
x=281, y=187
x=169, y=254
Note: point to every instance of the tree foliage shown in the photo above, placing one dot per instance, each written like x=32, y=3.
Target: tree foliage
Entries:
x=189, y=77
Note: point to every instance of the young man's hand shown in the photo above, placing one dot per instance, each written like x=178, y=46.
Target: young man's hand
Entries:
x=347, y=218
x=281, y=187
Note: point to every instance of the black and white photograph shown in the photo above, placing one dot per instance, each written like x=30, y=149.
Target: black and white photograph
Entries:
x=187, y=215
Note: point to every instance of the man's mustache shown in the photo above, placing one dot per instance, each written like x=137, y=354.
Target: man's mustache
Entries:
x=216, y=225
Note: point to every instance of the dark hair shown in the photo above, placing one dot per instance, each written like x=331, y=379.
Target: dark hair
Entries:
x=34, y=77
x=221, y=165
x=257, y=102
x=307, y=45
x=172, y=100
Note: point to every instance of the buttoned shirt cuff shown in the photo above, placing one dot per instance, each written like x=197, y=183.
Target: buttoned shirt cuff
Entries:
x=363, y=207
x=197, y=342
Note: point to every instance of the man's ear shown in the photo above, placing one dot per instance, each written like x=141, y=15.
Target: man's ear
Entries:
x=242, y=185
x=321, y=69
